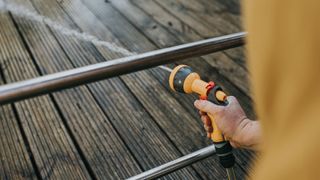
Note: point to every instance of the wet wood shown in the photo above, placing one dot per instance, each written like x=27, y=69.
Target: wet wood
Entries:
x=52, y=148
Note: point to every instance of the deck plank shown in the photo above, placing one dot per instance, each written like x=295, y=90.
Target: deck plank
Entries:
x=50, y=144
x=15, y=162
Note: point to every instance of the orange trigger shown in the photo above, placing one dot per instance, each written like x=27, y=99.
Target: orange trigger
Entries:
x=203, y=97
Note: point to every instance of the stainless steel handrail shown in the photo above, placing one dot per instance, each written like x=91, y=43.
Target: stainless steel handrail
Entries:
x=176, y=164
x=70, y=78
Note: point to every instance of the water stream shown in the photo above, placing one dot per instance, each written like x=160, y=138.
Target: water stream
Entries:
x=24, y=12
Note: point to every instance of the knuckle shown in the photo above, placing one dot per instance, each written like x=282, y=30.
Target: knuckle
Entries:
x=231, y=98
x=206, y=106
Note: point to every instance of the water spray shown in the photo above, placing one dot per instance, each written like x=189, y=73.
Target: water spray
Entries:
x=24, y=12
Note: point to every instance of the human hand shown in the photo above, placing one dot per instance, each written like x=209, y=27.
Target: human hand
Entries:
x=232, y=121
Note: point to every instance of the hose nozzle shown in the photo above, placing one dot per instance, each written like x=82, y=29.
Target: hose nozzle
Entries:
x=183, y=79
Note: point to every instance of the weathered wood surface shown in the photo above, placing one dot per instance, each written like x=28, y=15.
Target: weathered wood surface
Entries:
x=50, y=144
x=119, y=127
x=14, y=160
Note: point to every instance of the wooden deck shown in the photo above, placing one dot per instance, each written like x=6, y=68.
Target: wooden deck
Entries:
x=122, y=126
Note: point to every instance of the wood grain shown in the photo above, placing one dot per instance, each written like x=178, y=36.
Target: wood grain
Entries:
x=15, y=162
x=52, y=148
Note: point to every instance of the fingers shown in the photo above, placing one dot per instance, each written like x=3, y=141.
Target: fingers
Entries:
x=206, y=123
x=231, y=99
x=229, y=119
x=206, y=120
x=201, y=113
x=209, y=129
x=207, y=106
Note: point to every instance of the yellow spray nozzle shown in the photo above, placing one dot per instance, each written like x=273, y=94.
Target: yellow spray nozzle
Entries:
x=183, y=79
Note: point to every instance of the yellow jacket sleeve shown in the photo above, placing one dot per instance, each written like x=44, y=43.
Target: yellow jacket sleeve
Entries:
x=284, y=60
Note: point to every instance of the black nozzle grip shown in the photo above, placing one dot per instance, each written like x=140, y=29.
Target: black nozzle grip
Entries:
x=224, y=153
x=213, y=98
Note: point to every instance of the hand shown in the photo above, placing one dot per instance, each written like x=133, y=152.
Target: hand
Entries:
x=232, y=121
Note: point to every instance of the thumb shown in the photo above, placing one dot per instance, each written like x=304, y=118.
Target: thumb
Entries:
x=232, y=99
x=207, y=106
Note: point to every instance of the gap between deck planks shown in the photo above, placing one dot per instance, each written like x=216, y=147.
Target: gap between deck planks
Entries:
x=14, y=160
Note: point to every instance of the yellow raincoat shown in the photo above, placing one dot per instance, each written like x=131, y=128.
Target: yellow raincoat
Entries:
x=284, y=60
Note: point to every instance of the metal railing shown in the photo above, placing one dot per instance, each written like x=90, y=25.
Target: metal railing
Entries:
x=176, y=164
x=83, y=75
